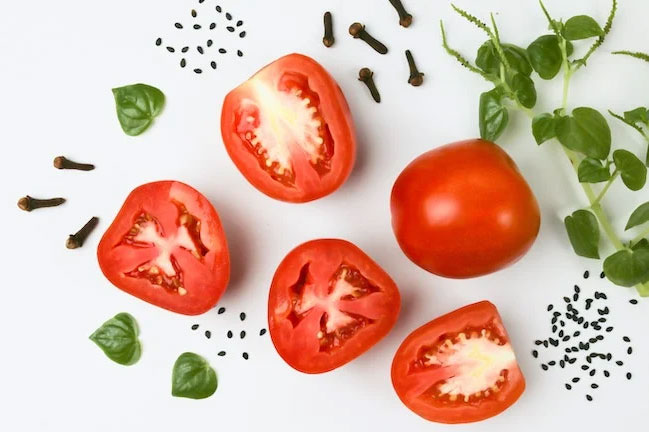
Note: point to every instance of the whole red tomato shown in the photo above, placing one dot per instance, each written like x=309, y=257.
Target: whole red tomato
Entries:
x=464, y=210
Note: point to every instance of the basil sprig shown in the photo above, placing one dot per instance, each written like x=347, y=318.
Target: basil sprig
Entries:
x=193, y=377
x=137, y=105
x=118, y=339
x=584, y=133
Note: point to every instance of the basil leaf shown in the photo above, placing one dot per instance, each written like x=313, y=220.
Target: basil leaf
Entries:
x=118, y=339
x=545, y=56
x=493, y=114
x=593, y=171
x=638, y=217
x=633, y=171
x=583, y=232
x=137, y=105
x=543, y=128
x=524, y=89
x=581, y=27
x=193, y=377
x=628, y=268
x=642, y=244
x=638, y=115
x=489, y=61
x=586, y=131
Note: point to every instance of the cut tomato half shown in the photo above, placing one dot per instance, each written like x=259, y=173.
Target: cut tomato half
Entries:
x=328, y=304
x=458, y=368
x=289, y=131
x=166, y=246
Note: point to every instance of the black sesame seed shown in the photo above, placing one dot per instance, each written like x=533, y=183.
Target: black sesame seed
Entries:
x=575, y=297
x=245, y=356
x=633, y=301
x=589, y=360
x=242, y=34
x=208, y=334
x=586, y=325
x=221, y=310
x=212, y=26
x=586, y=274
x=589, y=398
x=535, y=353
x=262, y=332
x=218, y=9
x=577, y=333
x=195, y=327
x=201, y=1
x=567, y=350
x=619, y=363
x=597, y=327
x=552, y=363
x=629, y=350
x=609, y=329
x=585, y=367
x=228, y=15
x=570, y=308
x=592, y=372
x=574, y=349
x=222, y=50
x=239, y=23
x=550, y=307
x=183, y=63
x=242, y=334
x=229, y=334
x=569, y=316
x=592, y=340
x=626, y=339
x=171, y=49
x=242, y=316
x=568, y=386
x=599, y=337
x=560, y=333
x=556, y=314
x=602, y=275
x=566, y=299
x=194, y=13
x=566, y=358
x=184, y=49
x=609, y=356
x=213, y=64
x=594, y=386
x=607, y=374
x=158, y=42
x=544, y=367
x=603, y=296
x=563, y=323
x=221, y=353
x=580, y=320
x=575, y=379
x=230, y=29
x=562, y=363
x=240, y=53
x=178, y=25
x=572, y=360
x=554, y=329
x=197, y=26
x=566, y=338
x=198, y=70
x=602, y=320
x=538, y=342
x=209, y=43
x=200, y=49
x=554, y=342
x=628, y=375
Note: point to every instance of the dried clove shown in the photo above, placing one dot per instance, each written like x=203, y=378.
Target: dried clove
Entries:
x=76, y=240
x=28, y=203
x=61, y=162
x=366, y=75
x=416, y=78
x=328, y=39
x=357, y=30
x=405, y=19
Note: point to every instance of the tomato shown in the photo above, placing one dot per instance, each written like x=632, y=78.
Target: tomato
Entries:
x=328, y=304
x=464, y=210
x=166, y=246
x=458, y=368
x=289, y=131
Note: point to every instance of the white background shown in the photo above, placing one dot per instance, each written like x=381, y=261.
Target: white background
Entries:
x=59, y=61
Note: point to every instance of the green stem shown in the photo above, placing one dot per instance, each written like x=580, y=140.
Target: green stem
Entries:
x=608, y=185
x=567, y=74
x=640, y=237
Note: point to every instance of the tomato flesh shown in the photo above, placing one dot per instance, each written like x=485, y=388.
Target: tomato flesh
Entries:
x=167, y=247
x=289, y=131
x=329, y=303
x=458, y=368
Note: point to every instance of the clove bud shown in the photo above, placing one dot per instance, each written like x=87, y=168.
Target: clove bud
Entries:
x=416, y=78
x=61, y=162
x=405, y=19
x=76, y=240
x=366, y=75
x=328, y=39
x=28, y=203
x=357, y=30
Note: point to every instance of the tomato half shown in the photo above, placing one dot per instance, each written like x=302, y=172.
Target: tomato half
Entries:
x=328, y=304
x=464, y=210
x=289, y=131
x=458, y=368
x=166, y=246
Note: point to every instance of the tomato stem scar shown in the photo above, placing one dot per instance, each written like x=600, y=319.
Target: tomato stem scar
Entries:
x=366, y=75
x=328, y=39
x=61, y=162
x=357, y=30
x=76, y=240
x=405, y=19
x=28, y=203
x=416, y=78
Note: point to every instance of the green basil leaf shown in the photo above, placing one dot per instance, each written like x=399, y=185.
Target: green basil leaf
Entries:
x=193, y=377
x=493, y=114
x=524, y=89
x=593, y=171
x=586, y=131
x=633, y=171
x=545, y=56
x=581, y=27
x=638, y=115
x=137, y=106
x=544, y=128
x=489, y=61
x=118, y=339
x=642, y=244
x=583, y=232
x=638, y=217
x=628, y=268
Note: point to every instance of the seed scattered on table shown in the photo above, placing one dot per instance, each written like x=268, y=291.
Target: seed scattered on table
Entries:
x=242, y=334
x=178, y=25
x=245, y=356
x=229, y=334
x=242, y=316
x=221, y=353
x=213, y=64
x=195, y=327
x=198, y=70
x=158, y=42
x=263, y=332
x=208, y=334
x=221, y=310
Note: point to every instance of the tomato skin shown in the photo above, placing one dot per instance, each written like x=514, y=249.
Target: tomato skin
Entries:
x=296, y=343
x=205, y=279
x=406, y=385
x=464, y=210
x=335, y=113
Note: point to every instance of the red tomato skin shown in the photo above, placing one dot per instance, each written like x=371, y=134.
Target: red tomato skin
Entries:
x=473, y=315
x=213, y=279
x=464, y=210
x=335, y=110
x=333, y=252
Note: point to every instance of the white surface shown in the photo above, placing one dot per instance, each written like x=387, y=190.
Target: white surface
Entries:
x=59, y=62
